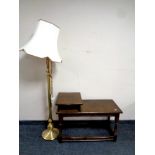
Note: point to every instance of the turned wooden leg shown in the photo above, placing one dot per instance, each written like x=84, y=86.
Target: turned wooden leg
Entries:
x=60, y=128
x=108, y=118
x=110, y=130
x=115, y=126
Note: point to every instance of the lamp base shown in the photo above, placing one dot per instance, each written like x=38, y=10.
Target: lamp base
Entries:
x=50, y=133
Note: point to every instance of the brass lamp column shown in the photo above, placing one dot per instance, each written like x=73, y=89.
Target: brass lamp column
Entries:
x=50, y=133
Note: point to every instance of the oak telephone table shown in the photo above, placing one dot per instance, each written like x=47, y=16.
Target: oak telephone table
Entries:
x=84, y=108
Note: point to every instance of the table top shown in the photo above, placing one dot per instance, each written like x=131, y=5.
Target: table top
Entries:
x=69, y=98
x=94, y=107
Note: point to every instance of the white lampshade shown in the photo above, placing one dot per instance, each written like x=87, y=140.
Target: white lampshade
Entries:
x=44, y=42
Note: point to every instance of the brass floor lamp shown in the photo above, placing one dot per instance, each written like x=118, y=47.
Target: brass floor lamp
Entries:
x=43, y=44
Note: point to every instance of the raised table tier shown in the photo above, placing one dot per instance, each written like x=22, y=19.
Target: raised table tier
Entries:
x=69, y=100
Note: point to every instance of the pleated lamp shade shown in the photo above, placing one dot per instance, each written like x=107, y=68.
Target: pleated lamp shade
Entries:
x=44, y=42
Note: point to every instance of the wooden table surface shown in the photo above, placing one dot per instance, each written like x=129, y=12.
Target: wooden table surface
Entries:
x=73, y=98
x=94, y=107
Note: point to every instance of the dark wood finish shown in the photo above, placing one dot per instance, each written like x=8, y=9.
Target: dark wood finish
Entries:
x=73, y=98
x=60, y=128
x=115, y=127
x=93, y=108
x=90, y=107
x=87, y=138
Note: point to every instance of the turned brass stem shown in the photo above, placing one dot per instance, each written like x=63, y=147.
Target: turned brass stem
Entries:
x=50, y=133
x=49, y=84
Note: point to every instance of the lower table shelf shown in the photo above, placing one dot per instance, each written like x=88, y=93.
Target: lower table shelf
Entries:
x=87, y=138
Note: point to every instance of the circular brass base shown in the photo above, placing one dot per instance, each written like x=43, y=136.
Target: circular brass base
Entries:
x=50, y=134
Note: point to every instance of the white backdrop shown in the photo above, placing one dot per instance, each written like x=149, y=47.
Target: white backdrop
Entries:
x=96, y=43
